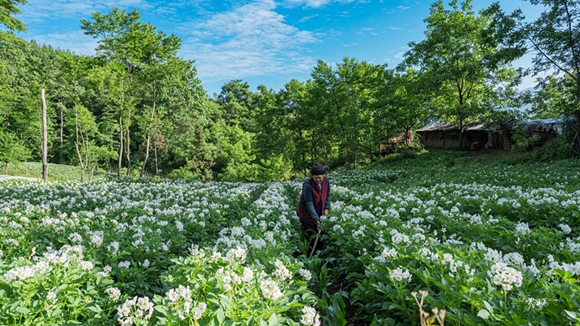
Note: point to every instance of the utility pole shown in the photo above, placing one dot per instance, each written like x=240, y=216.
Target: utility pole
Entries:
x=44, y=139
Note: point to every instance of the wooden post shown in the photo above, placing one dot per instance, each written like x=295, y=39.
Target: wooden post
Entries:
x=44, y=139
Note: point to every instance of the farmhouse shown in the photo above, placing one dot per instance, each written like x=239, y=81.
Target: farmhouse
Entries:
x=448, y=135
x=478, y=135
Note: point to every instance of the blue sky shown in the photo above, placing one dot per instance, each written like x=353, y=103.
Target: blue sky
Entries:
x=259, y=41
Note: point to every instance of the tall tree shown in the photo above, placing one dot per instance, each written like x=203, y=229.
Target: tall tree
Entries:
x=342, y=110
x=555, y=39
x=403, y=105
x=19, y=113
x=160, y=59
x=8, y=8
x=133, y=48
x=468, y=68
x=236, y=100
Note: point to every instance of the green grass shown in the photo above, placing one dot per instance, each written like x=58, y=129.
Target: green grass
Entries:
x=56, y=172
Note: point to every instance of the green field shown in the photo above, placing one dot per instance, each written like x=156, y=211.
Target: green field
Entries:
x=489, y=240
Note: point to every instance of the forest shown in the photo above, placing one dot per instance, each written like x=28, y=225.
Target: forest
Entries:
x=136, y=108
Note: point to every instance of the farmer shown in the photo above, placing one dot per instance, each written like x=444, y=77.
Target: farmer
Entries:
x=314, y=202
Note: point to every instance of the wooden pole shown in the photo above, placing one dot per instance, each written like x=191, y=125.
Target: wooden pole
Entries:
x=44, y=139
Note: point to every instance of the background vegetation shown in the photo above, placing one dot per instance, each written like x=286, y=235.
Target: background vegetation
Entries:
x=137, y=108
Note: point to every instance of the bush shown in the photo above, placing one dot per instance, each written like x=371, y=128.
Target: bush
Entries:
x=556, y=149
x=183, y=173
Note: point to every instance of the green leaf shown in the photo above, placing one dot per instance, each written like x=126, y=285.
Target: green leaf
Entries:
x=23, y=310
x=488, y=306
x=220, y=315
x=484, y=314
x=572, y=315
x=273, y=321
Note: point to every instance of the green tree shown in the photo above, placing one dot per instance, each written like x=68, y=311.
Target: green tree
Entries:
x=293, y=116
x=274, y=143
x=84, y=139
x=134, y=50
x=467, y=67
x=341, y=114
x=8, y=8
x=403, y=105
x=159, y=61
x=11, y=151
x=188, y=147
x=236, y=102
x=21, y=84
x=235, y=162
x=555, y=39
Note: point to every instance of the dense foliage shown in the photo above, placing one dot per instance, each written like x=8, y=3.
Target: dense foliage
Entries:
x=137, y=108
x=488, y=241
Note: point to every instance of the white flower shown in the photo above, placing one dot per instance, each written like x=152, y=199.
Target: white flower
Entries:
x=136, y=310
x=523, y=228
x=97, y=238
x=281, y=271
x=386, y=254
x=505, y=276
x=270, y=290
x=310, y=316
x=114, y=246
x=565, y=228
x=75, y=237
x=86, y=265
x=124, y=264
x=399, y=275
x=51, y=296
x=114, y=293
x=248, y=275
x=305, y=273
x=199, y=310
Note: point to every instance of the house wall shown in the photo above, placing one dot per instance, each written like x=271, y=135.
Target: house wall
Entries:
x=452, y=139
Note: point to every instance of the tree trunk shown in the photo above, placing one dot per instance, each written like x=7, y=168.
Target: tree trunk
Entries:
x=120, y=162
x=77, y=145
x=61, y=127
x=146, y=156
x=44, y=139
x=80, y=159
x=127, y=151
x=156, y=166
x=148, y=140
x=461, y=139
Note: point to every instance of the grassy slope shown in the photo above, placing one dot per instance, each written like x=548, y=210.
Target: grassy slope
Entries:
x=56, y=172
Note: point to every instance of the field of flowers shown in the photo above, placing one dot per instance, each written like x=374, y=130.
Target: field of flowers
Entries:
x=489, y=243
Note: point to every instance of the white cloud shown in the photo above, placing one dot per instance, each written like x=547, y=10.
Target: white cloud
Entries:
x=317, y=3
x=350, y=44
x=250, y=40
x=307, y=18
x=403, y=8
x=367, y=30
x=307, y=3
x=76, y=42
x=39, y=10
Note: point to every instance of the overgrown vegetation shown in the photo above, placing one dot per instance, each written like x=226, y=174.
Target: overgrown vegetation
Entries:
x=136, y=107
x=475, y=240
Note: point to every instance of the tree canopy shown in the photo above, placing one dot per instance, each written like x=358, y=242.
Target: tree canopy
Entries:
x=137, y=108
